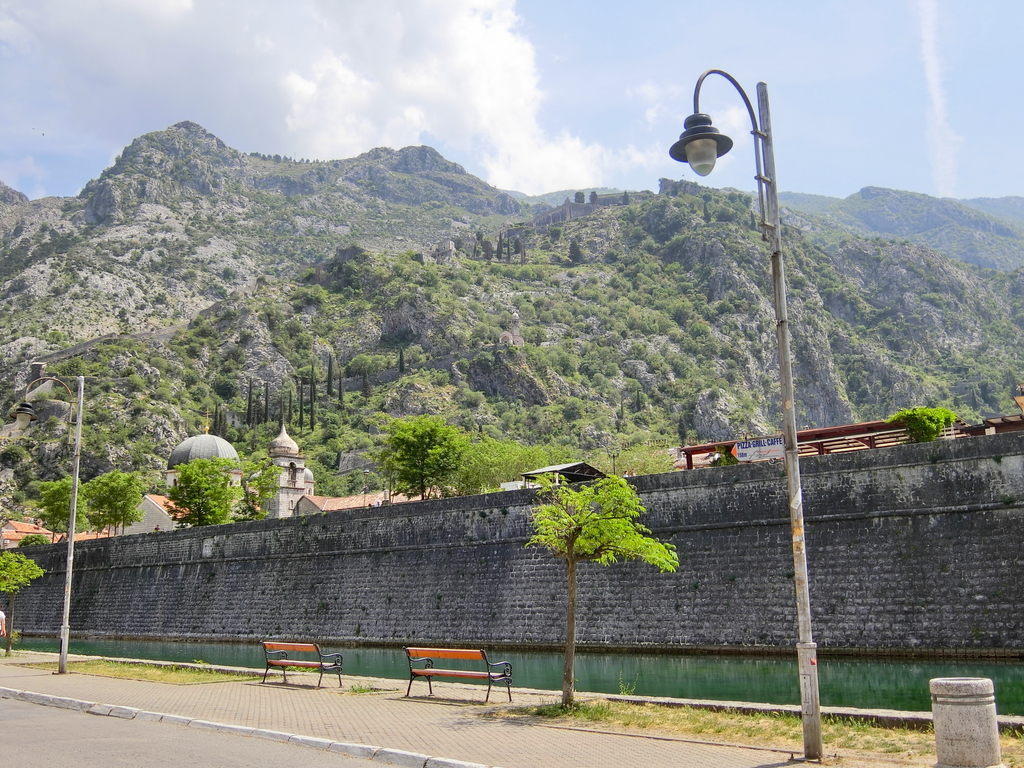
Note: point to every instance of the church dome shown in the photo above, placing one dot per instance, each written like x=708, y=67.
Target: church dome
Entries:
x=283, y=445
x=201, y=447
x=307, y=475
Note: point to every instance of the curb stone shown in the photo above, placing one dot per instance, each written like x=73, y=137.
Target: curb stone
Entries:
x=100, y=709
x=205, y=725
x=310, y=741
x=401, y=758
x=262, y=733
x=441, y=762
x=175, y=719
x=125, y=713
x=354, y=750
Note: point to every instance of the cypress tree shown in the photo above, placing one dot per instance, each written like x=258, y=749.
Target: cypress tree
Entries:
x=266, y=401
x=401, y=360
x=341, y=393
x=330, y=376
x=302, y=389
x=366, y=386
x=248, y=406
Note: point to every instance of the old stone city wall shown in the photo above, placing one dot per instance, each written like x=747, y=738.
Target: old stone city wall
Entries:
x=914, y=547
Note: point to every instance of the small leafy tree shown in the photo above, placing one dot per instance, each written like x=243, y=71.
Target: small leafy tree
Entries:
x=423, y=454
x=114, y=499
x=490, y=462
x=597, y=523
x=579, y=197
x=34, y=540
x=16, y=571
x=55, y=506
x=260, y=481
x=203, y=494
x=923, y=424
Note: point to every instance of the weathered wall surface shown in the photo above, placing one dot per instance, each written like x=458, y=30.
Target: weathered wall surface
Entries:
x=917, y=546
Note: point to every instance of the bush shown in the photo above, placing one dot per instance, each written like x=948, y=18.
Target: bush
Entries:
x=34, y=540
x=923, y=424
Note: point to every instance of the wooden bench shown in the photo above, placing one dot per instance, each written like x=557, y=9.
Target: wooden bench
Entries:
x=277, y=657
x=493, y=671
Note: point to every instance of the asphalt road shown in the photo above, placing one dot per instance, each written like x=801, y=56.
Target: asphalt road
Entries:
x=46, y=737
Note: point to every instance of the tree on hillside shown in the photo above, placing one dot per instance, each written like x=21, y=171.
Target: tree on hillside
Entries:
x=593, y=197
x=598, y=523
x=260, y=481
x=579, y=197
x=16, y=571
x=575, y=252
x=114, y=499
x=423, y=454
x=55, y=506
x=203, y=494
x=490, y=462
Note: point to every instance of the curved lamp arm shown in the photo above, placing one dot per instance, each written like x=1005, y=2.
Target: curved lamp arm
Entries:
x=24, y=414
x=760, y=136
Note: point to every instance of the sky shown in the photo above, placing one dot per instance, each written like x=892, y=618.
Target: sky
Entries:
x=530, y=95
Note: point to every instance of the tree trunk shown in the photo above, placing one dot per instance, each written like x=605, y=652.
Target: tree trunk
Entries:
x=10, y=625
x=569, y=670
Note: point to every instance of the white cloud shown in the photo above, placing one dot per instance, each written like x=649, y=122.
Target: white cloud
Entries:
x=943, y=142
x=25, y=175
x=398, y=72
x=320, y=79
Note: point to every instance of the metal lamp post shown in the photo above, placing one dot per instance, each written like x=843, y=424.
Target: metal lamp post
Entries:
x=23, y=415
x=700, y=145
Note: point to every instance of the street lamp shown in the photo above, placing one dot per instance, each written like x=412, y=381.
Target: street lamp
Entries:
x=700, y=145
x=24, y=415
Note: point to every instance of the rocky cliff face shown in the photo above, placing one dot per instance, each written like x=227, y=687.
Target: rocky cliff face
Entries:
x=200, y=269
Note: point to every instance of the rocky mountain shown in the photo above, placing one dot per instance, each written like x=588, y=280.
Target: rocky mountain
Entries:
x=986, y=233
x=193, y=284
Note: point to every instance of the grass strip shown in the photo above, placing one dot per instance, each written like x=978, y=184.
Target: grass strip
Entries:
x=159, y=673
x=779, y=730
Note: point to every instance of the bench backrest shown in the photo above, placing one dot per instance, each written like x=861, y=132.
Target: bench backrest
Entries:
x=304, y=647
x=445, y=653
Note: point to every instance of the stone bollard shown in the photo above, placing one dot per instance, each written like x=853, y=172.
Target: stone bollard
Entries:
x=964, y=716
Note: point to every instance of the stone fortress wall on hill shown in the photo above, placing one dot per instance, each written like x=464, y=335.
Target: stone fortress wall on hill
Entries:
x=917, y=548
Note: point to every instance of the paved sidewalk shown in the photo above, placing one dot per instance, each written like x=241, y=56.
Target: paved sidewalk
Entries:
x=448, y=726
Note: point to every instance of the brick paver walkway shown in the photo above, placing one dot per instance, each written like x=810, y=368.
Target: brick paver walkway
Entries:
x=450, y=725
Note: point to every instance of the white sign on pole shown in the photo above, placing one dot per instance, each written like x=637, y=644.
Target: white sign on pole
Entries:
x=762, y=449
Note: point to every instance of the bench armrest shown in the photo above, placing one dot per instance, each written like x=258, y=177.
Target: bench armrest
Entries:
x=429, y=661
x=276, y=655
x=506, y=670
x=330, y=656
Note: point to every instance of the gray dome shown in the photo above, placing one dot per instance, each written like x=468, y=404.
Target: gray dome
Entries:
x=307, y=475
x=201, y=447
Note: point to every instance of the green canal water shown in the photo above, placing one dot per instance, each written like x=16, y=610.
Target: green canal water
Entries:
x=849, y=683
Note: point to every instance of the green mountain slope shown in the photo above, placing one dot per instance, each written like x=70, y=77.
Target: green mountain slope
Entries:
x=191, y=282
x=977, y=234
x=1009, y=209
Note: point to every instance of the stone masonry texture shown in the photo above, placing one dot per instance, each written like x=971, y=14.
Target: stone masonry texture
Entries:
x=913, y=547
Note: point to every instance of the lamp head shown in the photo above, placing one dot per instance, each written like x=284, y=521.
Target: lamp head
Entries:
x=700, y=145
x=23, y=415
